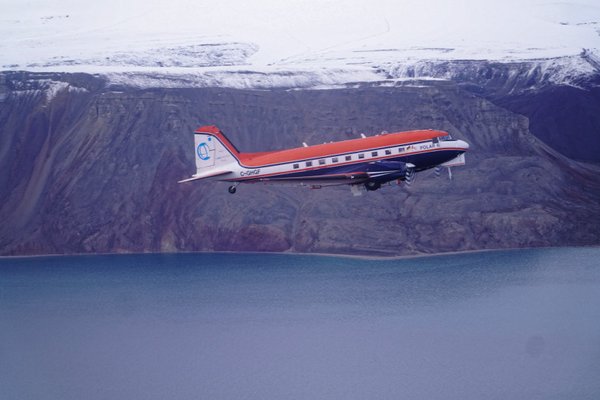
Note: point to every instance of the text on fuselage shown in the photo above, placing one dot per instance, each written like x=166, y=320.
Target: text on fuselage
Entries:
x=250, y=172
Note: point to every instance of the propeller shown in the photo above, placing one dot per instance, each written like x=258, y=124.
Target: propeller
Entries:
x=438, y=172
x=410, y=175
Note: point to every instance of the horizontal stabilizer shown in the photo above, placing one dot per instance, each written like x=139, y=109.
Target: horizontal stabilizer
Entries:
x=211, y=174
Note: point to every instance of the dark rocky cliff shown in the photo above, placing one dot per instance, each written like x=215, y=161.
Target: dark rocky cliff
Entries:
x=91, y=168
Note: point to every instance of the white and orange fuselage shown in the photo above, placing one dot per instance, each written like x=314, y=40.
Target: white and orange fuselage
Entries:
x=366, y=161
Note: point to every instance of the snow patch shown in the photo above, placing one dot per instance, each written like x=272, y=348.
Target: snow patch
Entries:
x=200, y=55
x=265, y=79
x=533, y=73
x=43, y=87
x=557, y=71
x=53, y=88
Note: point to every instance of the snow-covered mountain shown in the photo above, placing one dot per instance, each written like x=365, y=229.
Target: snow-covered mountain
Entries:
x=300, y=43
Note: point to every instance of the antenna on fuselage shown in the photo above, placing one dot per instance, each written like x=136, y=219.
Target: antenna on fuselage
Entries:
x=304, y=144
x=362, y=135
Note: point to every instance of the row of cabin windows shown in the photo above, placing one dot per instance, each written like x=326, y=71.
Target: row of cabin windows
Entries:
x=349, y=158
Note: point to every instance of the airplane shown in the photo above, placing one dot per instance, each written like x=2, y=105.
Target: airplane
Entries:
x=364, y=163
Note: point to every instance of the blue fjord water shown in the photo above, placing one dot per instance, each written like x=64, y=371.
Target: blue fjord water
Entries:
x=503, y=325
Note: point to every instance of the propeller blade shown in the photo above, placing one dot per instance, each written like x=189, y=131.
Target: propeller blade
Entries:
x=409, y=177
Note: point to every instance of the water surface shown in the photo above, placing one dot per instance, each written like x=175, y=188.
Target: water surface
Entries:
x=511, y=324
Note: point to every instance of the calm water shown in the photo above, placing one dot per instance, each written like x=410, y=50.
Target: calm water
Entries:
x=500, y=325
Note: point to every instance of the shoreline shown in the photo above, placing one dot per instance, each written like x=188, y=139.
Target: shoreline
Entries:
x=294, y=253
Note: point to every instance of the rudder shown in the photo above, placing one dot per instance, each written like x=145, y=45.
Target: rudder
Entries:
x=213, y=149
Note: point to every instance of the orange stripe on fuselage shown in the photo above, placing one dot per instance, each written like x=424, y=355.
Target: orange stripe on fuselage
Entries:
x=336, y=148
x=216, y=132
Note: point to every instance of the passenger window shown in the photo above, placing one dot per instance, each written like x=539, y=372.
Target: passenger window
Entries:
x=374, y=154
x=309, y=163
x=400, y=149
x=296, y=166
x=348, y=158
x=361, y=155
x=334, y=160
x=388, y=152
x=322, y=162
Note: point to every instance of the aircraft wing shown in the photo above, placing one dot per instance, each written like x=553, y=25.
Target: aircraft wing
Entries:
x=359, y=175
x=379, y=171
x=208, y=174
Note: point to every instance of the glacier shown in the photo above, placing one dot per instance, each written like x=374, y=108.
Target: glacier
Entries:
x=298, y=44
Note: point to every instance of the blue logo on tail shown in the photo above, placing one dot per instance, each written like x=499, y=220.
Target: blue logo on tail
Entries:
x=203, y=151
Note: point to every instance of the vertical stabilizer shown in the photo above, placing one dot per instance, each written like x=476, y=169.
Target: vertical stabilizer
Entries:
x=213, y=149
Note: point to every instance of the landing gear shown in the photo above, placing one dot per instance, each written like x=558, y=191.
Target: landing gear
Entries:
x=232, y=189
x=372, y=185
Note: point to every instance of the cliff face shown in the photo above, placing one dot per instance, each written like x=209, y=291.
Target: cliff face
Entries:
x=90, y=168
x=560, y=97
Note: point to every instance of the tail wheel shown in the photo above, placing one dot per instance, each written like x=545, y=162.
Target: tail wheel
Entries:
x=232, y=189
x=372, y=185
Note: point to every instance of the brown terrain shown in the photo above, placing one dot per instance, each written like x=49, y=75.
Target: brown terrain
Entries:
x=92, y=168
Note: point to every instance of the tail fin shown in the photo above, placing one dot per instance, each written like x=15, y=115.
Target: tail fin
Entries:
x=214, y=154
x=213, y=149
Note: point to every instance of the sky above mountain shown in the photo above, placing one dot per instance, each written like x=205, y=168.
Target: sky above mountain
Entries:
x=117, y=35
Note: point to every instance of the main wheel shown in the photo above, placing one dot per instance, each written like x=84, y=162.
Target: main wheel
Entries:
x=372, y=185
x=232, y=189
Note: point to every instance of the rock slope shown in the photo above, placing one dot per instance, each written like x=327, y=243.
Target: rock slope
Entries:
x=90, y=167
